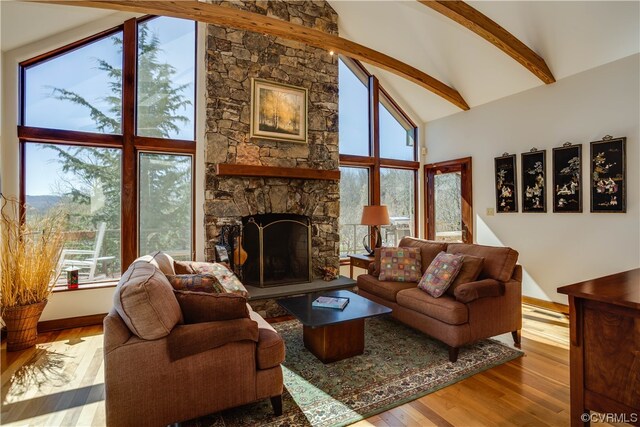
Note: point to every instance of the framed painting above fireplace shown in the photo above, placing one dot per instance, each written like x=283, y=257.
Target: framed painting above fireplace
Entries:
x=278, y=111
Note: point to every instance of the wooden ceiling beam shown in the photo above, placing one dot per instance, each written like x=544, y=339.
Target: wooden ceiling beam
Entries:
x=489, y=30
x=243, y=20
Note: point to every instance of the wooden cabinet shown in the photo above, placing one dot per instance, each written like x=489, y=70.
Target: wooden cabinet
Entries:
x=605, y=347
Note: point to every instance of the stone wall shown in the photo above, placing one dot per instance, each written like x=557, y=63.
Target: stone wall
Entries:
x=235, y=57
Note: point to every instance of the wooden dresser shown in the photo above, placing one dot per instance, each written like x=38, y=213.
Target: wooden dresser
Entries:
x=605, y=348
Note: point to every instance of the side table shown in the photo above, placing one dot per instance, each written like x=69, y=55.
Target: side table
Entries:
x=359, y=260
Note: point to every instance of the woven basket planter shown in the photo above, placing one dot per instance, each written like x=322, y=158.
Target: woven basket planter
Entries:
x=22, y=325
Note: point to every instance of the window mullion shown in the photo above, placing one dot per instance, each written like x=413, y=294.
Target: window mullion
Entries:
x=129, y=233
x=375, y=138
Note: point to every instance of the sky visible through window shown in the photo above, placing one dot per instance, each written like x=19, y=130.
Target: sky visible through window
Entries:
x=76, y=71
x=353, y=110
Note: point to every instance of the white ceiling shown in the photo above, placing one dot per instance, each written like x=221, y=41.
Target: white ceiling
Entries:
x=23, y=23
x=572, y=36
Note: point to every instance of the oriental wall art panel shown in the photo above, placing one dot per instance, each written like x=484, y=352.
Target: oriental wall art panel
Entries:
x=608, y=175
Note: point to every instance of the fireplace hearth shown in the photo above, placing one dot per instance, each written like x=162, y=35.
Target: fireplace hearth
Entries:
x=278, y=249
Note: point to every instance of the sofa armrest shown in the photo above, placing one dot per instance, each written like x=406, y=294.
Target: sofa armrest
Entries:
x=471, y=291
x=116, y=332
x=187, y=340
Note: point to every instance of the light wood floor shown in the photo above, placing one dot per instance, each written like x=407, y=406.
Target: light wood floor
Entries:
x=60, y=382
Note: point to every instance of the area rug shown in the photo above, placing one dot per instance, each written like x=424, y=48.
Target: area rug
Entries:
x=399, y=365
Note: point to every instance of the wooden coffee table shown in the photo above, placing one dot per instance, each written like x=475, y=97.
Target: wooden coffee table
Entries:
x=331, y=334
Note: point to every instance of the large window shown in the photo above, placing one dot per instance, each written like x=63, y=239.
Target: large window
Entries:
x=378, y=163
x=114, y=155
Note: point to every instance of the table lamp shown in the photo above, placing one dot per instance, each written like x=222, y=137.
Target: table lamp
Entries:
x=374, y=216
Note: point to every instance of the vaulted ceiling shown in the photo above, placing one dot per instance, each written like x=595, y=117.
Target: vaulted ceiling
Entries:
x=570, y=36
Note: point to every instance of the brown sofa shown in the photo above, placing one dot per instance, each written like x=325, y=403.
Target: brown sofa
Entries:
x=489, y=306
x=160, y=369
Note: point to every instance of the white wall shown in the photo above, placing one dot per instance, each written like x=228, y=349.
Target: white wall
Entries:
x=555, y=249
x=86, y=301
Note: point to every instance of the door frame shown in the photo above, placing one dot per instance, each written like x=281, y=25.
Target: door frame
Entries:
x=462, y=165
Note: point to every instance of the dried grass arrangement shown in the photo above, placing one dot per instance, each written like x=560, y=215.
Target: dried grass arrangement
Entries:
x=28, y=269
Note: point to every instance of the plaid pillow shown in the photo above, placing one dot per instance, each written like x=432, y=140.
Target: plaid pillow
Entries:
x=225, y=276
x=400, y=264
x=440, y=274
x=196, y=283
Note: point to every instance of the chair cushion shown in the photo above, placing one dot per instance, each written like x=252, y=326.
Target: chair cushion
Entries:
x=499, y=262
x=196, y=283
x=428, y=249
x=198, y=307
x=270, y=351
x=469, y=272
x=446, y=308
x=160, y=260
x=400, y=264
x=225, y=276
x=145, y=301
x=440, y=274
x=385, y=290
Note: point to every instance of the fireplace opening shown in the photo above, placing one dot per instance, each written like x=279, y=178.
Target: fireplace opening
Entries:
x=278, y=249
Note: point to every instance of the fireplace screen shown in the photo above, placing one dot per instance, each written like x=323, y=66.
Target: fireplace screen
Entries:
x=278, y=249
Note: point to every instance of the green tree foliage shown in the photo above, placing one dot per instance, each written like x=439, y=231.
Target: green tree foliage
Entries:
x=165, y=180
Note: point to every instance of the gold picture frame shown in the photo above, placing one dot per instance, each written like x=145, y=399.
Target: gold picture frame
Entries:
x=278, y=111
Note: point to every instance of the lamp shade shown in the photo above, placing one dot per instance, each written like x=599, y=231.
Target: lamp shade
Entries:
x=375, y=215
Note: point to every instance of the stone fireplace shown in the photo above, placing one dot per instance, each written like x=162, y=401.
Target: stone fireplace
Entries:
x=233, y=58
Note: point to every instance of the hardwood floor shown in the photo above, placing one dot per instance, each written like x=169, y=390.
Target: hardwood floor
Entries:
x=60, y=382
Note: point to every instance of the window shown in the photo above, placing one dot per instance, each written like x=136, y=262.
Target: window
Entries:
x=82, y=154
x=397, y=191
x=387, y=172
x=166, y=47
x=353, y=106
x=165, y=204
x=397, y=135
x=76, y=90
x=83, y=183
x=354, y=194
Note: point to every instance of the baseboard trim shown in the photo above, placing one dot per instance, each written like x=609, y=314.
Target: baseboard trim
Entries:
x=71, y=322
x=549, y=305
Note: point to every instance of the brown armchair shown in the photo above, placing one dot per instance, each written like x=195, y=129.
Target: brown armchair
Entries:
x=160, y=370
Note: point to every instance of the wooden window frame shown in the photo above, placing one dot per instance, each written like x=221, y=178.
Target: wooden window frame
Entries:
x=374, y=163
x=128, y=141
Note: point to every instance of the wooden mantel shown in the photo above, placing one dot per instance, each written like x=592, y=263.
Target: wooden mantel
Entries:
x=226, y=169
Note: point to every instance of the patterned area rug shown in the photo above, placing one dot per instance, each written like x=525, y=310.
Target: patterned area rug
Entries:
x=399, y=364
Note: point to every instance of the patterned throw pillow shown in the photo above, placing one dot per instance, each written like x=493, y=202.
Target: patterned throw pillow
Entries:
x=440, y=274
x=225, y=276
x=196, y=283
x=400, y=264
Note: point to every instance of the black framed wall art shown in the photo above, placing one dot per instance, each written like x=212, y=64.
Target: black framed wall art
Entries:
x=534, y=181
x=608, y=175
x=567, y=178
x=506, y=191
